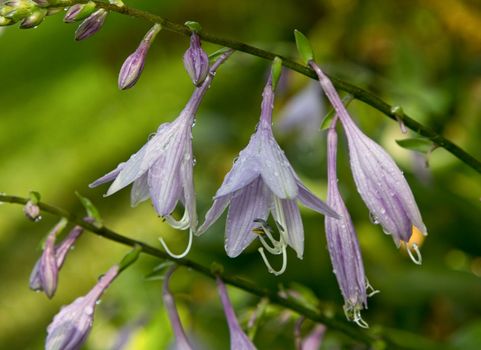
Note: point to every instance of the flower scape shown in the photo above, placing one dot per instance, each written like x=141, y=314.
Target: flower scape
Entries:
x=261, y=192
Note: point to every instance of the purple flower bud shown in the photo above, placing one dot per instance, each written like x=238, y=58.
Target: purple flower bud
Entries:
x=48, y=269
x=196, y=61
x=71, y=326
x=134, y=64
x=32, y=211
x=379, y=181
x=238, y=339
x=34, y=19
x=42, y=3
x=91, y=25
x=39, y=275
x=181, y=341
x=79, y=12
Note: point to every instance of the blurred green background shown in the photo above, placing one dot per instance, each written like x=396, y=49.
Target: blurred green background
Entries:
x=64, y=123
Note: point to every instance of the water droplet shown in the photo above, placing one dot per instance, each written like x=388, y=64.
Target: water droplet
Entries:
x=194, y=161
x=373, y=218
x=276, y=173
x=38, y=218
x=98, y=302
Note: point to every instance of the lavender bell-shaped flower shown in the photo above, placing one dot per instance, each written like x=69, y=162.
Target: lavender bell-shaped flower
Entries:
x=44, y=275
x=343, y=244
x=238, y=339
x=260, y=181
x=181, y=341
x=91, y=25
x=379, y=181
x=162, y=168
x=134, y=64
x=71, y=326
x=196, y=61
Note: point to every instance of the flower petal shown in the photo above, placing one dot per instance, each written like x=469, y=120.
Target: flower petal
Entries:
x=245, y=169
x=214, y=213
x=286, y=213
x=308, y=199
x=247, y=204
x=139, y=191
x=140, y=162
x=110, y=176
x=276, y=170
x=186, y=172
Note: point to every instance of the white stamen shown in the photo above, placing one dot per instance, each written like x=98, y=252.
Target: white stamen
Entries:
x=269, y=267
x=358, y=319
x=417, y=259
x=370, y=289
x=275, y=250
x=181, y=224
x=186, y=251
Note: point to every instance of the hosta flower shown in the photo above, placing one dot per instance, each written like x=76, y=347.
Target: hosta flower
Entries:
x=260, y=181
x=134, y=64
x=343, y=244
x=379, y=181
x=162, y=168
x=238, y=339
x=44, y=275
x=71, y=326
x=181, y=341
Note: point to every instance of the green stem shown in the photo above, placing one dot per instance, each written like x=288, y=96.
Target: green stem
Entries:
x=358, y=93
x=332, y=322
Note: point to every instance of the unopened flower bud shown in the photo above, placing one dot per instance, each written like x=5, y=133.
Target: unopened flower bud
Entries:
x=41, y=3
x=34, y=19
x=196, y=61
x=32, y=211
x=17, y=9
x=5, y=21
x=91, y=25
x=79, y=12
x=134, y=64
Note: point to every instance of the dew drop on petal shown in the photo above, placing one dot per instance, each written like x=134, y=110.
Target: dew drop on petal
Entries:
x=373, y=218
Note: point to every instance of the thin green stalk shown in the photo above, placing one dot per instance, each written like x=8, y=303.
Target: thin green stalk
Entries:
x=333, y=323
x=358, y=93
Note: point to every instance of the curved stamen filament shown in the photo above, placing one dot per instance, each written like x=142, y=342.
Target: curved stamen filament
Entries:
x=181, y=255
x=276, y=249
x=284, y=260
x=414, y=253
x=358, y=319
x=370, y=289
x=181, y=224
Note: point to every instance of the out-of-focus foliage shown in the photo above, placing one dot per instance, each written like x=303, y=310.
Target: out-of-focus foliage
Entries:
x=64, y=123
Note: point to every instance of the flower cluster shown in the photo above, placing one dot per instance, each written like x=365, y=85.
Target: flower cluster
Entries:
x=261, y=187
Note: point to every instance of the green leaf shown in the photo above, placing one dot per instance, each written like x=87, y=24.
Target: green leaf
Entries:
x=326, y=122
x=193, y=26
x=159, y=271
x=90, y=208
x=276, y=71
x=34, y=197
x=417, y=144
x=215, y=55
x=303, y=47
x=130, y=257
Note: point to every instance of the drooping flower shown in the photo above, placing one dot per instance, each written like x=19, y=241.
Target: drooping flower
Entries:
x=134, y=64
x=91, y=25
x=44, y=275
x=238, y=339
x=343, y=244
x=260, y=181
x=181, y=341
x=196, y=61
x=379, y=181
x=71, y=326
x=162, y=168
